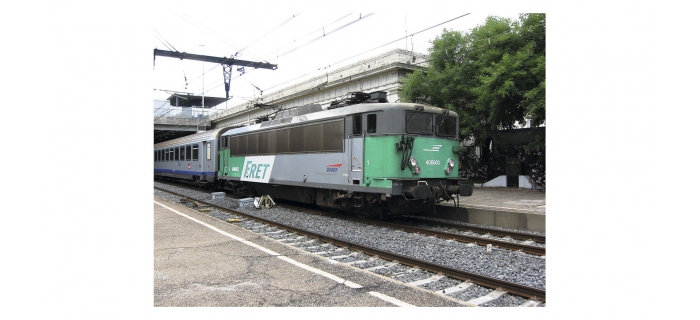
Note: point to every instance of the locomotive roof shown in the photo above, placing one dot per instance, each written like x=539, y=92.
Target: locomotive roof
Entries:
x=193, y=138
x=339, y=112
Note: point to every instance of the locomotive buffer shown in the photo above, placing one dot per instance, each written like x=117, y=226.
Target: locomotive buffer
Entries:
x=226, y=63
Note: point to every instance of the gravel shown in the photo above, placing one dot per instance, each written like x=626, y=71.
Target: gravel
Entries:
x=471, y=293
x=517, y=267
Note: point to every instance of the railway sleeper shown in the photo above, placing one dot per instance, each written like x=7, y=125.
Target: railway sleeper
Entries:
x=493, y=295
x=458, y=288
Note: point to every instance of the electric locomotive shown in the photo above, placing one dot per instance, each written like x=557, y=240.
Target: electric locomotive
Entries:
x=362, y=155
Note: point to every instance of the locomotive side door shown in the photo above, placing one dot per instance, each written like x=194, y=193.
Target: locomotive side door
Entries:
x=355, y=138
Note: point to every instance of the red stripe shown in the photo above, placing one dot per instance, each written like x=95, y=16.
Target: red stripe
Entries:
x=335, y=165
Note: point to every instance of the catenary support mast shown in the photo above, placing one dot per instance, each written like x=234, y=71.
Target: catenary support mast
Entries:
x=226, y=63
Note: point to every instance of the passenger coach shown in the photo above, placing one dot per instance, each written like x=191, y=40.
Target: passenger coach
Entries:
x=192, y=158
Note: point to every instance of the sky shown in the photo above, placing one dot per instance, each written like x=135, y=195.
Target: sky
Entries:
x=302, y=44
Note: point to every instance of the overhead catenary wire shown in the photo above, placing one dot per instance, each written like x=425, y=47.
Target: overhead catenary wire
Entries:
x=210, y=31
x=375, y=48
x=265, y=35
x=310, y=33
x=304, y=75
x=386, y=44
x=202, y=26
x=170, y=46
x=324, y=35
x=411, y=35
x=161, y=41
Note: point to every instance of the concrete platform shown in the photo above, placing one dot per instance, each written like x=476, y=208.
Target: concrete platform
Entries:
x=202, y=261
x=514, y=208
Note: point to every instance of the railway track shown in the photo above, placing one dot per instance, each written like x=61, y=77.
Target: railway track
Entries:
x=495, y=232
x=409, y=225
x=527, y=292
x=483, y=241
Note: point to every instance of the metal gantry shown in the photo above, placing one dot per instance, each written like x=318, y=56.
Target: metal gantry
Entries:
x=225, y=62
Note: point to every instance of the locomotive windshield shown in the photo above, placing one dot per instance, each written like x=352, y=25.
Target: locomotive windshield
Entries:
x=447, y=126
x=420, y=123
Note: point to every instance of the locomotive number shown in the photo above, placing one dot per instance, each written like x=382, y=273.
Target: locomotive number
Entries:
x=432, y=162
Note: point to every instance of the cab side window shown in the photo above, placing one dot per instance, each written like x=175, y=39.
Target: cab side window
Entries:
x=371, y=123
x=357, y=125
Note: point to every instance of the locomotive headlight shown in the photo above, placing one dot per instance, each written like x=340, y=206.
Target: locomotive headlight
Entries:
x=416, y=170
x=450, y=165
x=413, y=162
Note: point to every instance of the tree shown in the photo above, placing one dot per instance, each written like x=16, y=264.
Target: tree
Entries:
x=493, y=76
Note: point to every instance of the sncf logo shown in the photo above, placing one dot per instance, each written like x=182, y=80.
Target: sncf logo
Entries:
x=333, y=167
x=436, y=148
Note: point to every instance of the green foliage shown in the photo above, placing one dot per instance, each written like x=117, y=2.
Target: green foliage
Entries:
x=493, y=76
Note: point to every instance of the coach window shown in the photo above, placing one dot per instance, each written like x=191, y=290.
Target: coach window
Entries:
x=188, y=153
x=357, y=125
x=371, y=123
x=195, y=152
x=172, y=154
x=177, y=154
x=208, y=150
x=155, y=156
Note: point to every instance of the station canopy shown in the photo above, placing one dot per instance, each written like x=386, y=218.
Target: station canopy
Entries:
x=189, y=100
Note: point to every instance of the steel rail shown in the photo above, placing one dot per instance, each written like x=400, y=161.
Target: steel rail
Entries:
x=514, y=288
x=499, y=233
x=440, y=234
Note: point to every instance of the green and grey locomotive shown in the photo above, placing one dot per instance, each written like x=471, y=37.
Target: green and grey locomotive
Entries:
x=365, y=158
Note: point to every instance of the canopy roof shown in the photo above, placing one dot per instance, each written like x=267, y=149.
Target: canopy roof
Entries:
x=189, y=100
